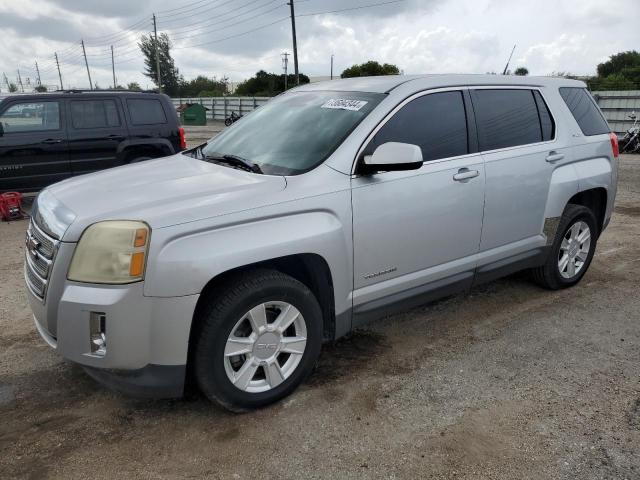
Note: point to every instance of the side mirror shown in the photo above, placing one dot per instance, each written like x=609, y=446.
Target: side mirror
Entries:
x=392, y=157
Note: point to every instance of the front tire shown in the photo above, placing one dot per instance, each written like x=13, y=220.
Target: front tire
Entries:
x=259, y=338
x=572, y=249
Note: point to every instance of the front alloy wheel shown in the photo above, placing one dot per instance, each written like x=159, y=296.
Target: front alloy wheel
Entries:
x=265, y=346
x=256, y=339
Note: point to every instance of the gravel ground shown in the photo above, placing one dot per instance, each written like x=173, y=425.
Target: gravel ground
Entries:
x=195, y=135
x=509, y=381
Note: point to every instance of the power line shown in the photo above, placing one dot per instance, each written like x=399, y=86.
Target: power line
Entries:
x=182, y=7
x=351, y=8
x=217, y=20
x=239, y=22
x=186, y=14
x=233, y=36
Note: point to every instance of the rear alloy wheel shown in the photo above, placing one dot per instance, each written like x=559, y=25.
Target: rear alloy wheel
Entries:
x=572, y=249
x=256, y=339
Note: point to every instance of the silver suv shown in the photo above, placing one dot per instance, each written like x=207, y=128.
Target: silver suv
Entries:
x=334, y=204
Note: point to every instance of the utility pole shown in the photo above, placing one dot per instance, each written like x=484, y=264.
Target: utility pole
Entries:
x=155, y=36
x=20, y=81
x=332, y=66
x=295, y=42
x=84, y=52
x=285, y=63
x=113, y=68
x=504, y=72
x=55, y=54
x=38, y=72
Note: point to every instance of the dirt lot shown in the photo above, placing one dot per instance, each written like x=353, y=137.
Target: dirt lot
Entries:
x=509, y=382
x=197, y=135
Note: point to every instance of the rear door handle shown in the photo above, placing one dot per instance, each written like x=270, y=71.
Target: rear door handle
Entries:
x=465, y=174
x=50, y=141
x=554, y=157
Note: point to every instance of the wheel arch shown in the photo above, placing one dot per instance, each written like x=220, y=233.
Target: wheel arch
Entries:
x=308, y=268
x=595, y=199
x=132, y=149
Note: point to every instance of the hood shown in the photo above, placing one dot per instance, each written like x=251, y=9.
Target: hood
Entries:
x=161, y=192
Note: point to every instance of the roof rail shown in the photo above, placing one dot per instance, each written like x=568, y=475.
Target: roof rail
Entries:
x=109, y=90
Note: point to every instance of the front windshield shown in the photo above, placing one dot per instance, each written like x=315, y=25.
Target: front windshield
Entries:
x=294, y=133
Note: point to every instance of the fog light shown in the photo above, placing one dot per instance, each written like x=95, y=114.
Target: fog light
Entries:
x=98, y=334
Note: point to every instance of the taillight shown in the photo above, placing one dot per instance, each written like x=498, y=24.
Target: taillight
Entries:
x=614, y=145
x=183, y=141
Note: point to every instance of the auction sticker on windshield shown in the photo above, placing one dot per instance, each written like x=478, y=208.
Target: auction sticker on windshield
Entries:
x=344, y=104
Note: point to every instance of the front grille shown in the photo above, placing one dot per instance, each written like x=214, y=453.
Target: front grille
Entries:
x=40, y=253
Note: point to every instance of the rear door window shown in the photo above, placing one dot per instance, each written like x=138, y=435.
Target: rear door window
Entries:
x=436, y=122
x=547, y=125
x=31, y=117
x=94, y=114
x=147, y=111
x=506, y=118
x=584, y=110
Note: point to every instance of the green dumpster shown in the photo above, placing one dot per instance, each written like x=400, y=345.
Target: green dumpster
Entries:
x=193, y=114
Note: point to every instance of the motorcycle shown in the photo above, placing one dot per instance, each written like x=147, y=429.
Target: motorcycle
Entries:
x=233, y=118
x=630, y=142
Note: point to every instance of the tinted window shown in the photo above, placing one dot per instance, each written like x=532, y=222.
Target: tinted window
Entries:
x=94, y=114
x=546, y=120
x=31, y=117
x=146, y=111
x=506, y=118
x=436, y=123
x=584, y=110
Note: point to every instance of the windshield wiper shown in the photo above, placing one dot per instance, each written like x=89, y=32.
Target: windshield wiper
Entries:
x=235, y=161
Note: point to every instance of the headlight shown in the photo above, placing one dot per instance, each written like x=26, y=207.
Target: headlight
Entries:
x=111, y=252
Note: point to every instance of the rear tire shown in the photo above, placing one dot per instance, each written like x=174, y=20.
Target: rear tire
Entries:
x=258, y=338
x=228, y=122
x=572, y=249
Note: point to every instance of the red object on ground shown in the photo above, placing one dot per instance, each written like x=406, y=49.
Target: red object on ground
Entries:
x=11, y=206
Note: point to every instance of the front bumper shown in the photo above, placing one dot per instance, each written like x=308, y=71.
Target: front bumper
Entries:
x=152, y=381
x=146, y=337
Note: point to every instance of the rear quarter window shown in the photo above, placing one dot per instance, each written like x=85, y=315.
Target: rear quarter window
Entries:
x=146, y=111
x=584, y=109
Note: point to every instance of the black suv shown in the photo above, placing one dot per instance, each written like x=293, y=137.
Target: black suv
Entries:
x=47, y=137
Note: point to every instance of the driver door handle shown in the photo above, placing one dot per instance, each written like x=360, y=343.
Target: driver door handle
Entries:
x=554, y=157
x=465, y=174
x=51, y=141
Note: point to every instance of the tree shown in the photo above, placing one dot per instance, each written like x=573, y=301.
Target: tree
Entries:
x=40, y=88
x=134, y=87
x=13, y=87
x=265, y=84
x=626, y=64
x=370, y=69
x=521, y=71
x=202, y=86
x=170, y=78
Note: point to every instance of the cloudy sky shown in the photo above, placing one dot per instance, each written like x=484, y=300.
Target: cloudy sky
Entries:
x=238, y=37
